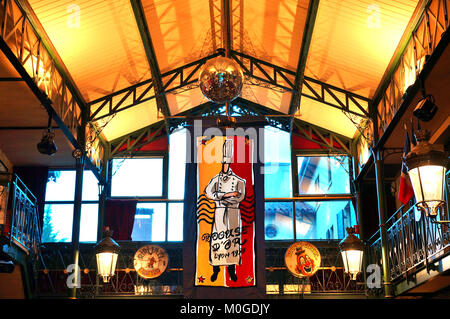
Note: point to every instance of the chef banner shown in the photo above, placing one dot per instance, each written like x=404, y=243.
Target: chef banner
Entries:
x=225, y=212
x=223, y=251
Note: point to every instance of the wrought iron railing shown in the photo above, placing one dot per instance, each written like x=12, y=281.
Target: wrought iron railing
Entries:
x=413, y=241
x=25, y=229
x=56, y=257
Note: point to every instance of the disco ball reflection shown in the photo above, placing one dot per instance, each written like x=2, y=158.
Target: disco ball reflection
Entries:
x=221, y=80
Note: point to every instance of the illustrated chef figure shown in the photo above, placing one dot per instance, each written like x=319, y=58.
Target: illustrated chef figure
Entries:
x=227, y=190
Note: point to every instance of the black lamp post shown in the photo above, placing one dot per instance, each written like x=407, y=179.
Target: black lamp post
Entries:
x=107, y=252
x=352, y=250
x=426, y=168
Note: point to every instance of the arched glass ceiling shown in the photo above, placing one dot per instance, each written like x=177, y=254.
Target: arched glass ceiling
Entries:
x=98, y=41
x=354, y=40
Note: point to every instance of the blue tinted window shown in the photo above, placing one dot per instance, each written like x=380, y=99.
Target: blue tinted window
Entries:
x=58, y=219
x=177, y=164
x=149, y=222
x=323, y=219
x=277, y=163
x=175, y=222
x=58, y=211
x=323, y=175
x=137, y=177
x=278, y=223
x=60, y=186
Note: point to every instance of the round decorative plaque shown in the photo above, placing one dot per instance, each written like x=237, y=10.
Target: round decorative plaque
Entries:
x=150, y=261
x=302, y=259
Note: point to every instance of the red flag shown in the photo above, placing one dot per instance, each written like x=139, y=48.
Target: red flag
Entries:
x=405, y=191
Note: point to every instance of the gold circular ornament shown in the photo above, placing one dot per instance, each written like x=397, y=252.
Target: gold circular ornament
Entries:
x=150, y=261
x=302, y=259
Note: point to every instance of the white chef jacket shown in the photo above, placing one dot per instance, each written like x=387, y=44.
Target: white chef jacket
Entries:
x=225, y=233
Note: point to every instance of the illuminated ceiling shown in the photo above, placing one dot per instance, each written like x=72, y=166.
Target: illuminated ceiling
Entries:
x=351, y=45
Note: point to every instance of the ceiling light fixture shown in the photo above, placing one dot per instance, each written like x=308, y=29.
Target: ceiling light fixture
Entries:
x=47, y=144
x=426, y=108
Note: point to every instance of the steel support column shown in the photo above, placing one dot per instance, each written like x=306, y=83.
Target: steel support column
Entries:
x=77, y=222
x=381, y=196
x=104, y=192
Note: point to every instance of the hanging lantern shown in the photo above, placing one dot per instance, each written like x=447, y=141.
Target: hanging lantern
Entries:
x=221, y=80
x=107, y=252
x=426, y=168
x=352, y=250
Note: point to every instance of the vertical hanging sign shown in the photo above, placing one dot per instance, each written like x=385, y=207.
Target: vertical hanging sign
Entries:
x=225, y=243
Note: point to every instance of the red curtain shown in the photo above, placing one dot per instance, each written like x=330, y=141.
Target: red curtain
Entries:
x=119, y=216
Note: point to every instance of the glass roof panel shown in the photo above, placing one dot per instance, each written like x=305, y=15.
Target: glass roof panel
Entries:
x=129, y=120
x=353, y=41
x=180, y=31
x=271, y=30
x=327, y=117
x=98, y=41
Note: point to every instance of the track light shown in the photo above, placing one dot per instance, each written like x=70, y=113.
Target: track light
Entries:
x=47, y=144
x=425, y=109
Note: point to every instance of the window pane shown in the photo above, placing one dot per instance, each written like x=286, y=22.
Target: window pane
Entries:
x=137, y=177
x=149, y=222
x=277, y=166
x=323, y=219
x=57, y=223
x=89, y=223
x=58, y=220
x=90, y=186
x=60, y=186
x=175, y=222
x=279, y=221
x=323, y=175
x=177, y=164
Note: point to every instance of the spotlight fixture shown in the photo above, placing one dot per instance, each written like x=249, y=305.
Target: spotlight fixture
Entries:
x=47, y=144
x=425, y=109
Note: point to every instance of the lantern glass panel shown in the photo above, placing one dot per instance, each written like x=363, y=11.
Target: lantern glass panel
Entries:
x=428, y=184
x=106, y=265
x=352, y=261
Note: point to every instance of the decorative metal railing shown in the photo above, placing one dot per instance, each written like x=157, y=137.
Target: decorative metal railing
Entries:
x=25, y=229
x=52, y=276
x=413, y=241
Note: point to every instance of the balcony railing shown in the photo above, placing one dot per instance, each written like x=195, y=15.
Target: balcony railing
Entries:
x=24, y=227
x=413, y=242
x=330, y=279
